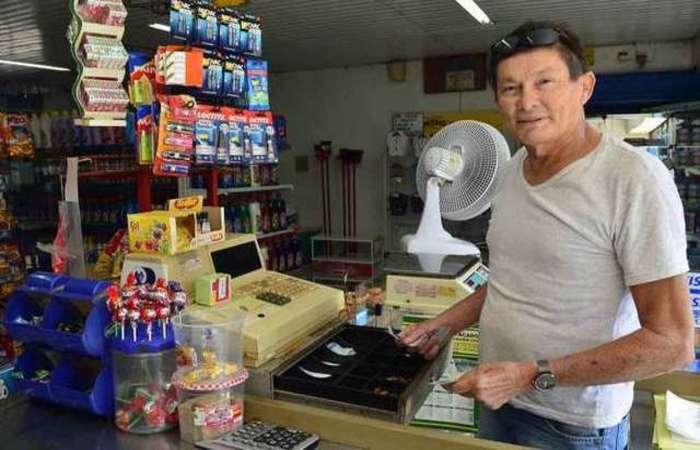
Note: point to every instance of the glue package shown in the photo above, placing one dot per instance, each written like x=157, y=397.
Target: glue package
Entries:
x=229, y=31
x=261, y=132
x=234, y=77
x=212, y=75
x=251, y=35
x=239, y=144
x=207, y=134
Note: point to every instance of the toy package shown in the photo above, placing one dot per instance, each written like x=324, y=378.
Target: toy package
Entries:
x=251, y=35
x=17, y=136
x=213, y=75
x=206, y=27
x=229, y=31
x=261, y=132
x=234, y=77
x=181, y=20
x=175, y=136
x=207, y=134
x=258, y=95
x=239, y=144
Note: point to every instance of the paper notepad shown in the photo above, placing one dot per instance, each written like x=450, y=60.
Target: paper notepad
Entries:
x=683, y=417
x=663, y=439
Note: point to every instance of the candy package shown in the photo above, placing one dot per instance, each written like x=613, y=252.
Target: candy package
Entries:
x=178, y=116
x=261, y=132
x=181, y=20
x=103, y=95
x=239, y=144
x=257, y=85
x=229, y=31
x=142, y=74
x=234, y=77
x=105, y=12
x=103, y=52
x=18, y=138
x=206, y=27
x=251, y=35
x=145, y=134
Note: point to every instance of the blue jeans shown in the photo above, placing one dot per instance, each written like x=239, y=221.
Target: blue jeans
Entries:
x=516, y=426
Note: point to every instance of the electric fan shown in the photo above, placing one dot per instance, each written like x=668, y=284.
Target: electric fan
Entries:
x=458, y=174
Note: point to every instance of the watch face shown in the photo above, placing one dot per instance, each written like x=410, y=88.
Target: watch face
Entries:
x=545, y=381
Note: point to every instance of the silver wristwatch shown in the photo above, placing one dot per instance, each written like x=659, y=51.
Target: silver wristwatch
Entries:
x=545, y=379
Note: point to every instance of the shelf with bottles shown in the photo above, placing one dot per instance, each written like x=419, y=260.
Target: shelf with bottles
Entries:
x=282, y=253
x=260, y=213
x=239, y=179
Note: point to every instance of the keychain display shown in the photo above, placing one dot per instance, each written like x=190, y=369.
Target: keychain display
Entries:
x=176, y=136
x=257, y=85
x=103, y=52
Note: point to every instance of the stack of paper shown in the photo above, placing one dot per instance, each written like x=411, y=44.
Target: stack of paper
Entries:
x=676, y=424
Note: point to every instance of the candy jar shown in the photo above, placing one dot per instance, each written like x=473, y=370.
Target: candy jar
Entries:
x=145, y=400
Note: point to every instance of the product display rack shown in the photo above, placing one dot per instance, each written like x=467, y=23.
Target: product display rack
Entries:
x=68, y=367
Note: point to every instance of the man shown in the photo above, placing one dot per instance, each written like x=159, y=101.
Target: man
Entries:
x=587, y=290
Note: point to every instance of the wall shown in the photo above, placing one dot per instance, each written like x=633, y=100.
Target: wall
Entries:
x=353, y=108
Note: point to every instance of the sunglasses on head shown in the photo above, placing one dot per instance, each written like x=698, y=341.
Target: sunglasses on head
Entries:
x=538, y=37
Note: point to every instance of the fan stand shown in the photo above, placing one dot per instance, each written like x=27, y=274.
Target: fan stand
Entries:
x=431, y=237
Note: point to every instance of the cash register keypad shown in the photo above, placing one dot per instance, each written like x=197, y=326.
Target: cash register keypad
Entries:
x=262, y=436
x=278, y=285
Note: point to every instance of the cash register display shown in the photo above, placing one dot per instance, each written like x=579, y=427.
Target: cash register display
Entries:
x=237, y=260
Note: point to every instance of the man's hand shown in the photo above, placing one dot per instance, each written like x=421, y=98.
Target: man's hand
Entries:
x=495, y=384
x=425, y=338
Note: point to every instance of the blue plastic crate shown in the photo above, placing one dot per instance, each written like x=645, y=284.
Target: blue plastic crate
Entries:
x=43, y=283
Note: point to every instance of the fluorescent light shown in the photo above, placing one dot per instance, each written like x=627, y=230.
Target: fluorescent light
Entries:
x=476, y=12
x=160, y=27
x=34, y=66
x=648, y=125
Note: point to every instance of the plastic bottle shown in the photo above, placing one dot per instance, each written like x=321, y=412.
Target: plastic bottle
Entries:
x=45, y=128
x=245, y=218
x=236, y=218
x=245, y=176
x=264, y=171
x=273, y=259
x=266, y=217
x=298, y=254
x=255, y=216
x=291, y=255
x=282, y=257
x=282, y=211
x=275, y=215
x=274, y=174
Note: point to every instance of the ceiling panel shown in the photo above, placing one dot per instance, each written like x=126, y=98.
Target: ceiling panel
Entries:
x=310, y=34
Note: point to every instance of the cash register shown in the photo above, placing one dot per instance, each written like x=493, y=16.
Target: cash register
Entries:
x=280, y=309
x=429, y=284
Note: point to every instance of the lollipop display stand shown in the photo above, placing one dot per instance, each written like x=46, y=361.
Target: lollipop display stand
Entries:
x=61, y=320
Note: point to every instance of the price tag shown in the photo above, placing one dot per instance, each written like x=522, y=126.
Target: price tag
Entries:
x=694, y=286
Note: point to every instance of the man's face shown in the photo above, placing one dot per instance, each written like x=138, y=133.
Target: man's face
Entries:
x=538, y=98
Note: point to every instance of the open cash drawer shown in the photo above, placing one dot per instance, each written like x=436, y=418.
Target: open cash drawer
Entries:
x=380, y=379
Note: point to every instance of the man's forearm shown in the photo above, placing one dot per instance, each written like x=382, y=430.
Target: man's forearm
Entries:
x=639, y=355
x=465, y=313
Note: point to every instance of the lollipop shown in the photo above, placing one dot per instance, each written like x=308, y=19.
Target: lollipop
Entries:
x=134, y=316
x=131, y=279
x=148, y=315
x=121, y=316
x=163, y=316
x=133, y=303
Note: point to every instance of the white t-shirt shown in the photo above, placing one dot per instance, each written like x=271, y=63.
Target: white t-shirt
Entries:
x=562, y=255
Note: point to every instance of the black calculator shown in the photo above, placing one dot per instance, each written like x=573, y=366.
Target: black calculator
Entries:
x=263, y=436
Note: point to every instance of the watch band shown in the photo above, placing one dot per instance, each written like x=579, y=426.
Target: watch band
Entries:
x=543, y=366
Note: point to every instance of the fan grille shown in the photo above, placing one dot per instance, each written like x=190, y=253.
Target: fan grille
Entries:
x=485, y=152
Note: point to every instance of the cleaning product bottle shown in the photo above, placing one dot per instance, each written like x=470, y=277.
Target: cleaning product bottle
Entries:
x=272, y=255
x=255, y=216
x=266, y=217
x=282, y=256
x=298, y=254
x=245, y=218
x=274, y=211
x=291, y=256
x=45, y=130
x=282, y=211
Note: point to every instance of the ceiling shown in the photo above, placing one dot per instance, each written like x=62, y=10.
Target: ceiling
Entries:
x=310, y=34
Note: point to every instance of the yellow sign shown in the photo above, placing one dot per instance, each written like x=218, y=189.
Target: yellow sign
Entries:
x=186, y=204
x=225, y=3
x=433, y=122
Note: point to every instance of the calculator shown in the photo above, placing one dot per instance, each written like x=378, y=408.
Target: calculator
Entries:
x=262, y=436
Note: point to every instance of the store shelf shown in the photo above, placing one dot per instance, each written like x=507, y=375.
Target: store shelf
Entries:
x=275, y=233
x=342, y=260
x=107, y=173
x=97, y=72
x=243, y=190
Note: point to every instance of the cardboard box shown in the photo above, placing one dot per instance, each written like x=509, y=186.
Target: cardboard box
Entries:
x=177, y=230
